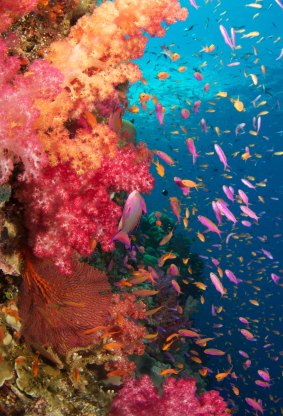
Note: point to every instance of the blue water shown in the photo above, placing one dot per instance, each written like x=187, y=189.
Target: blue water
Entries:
x=188, y=38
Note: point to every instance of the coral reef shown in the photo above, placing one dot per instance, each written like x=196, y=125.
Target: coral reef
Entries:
x=140, y=397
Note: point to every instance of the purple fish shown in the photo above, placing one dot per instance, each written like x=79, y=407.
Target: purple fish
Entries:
x=243, y=320
x=262, y=383
x=221, y=156
x=228, y=237
x=243, y=354
x=132, y=212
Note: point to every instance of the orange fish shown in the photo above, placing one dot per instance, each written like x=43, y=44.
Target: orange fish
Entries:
x=145, y=292
x=167, y=238
x=168, y=371
x=165, y=257
x=162, y=75
x=214, y=351
x=112, y=346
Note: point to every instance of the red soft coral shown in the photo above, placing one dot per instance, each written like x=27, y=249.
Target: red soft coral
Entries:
x=140, y=398
x=65, y=211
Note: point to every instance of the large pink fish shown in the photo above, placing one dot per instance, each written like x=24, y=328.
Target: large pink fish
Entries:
x=192, y=149
x=256, y=405
x=166, y=158
x=243, y=197
x=217, y=212
x=249, y=212
x=209, y=224
x=159, y=112
x=179, y=182
x=217, y=284
x=197, y=106
x=229, y=192
x=232, y=277
x=229, y=41
x=133, y=209
x=226, y=211
x=221, y=155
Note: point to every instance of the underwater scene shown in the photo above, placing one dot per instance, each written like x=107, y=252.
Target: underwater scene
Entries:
x=141, y=207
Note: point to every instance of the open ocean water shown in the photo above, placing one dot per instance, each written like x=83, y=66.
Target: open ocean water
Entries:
x=237, y=86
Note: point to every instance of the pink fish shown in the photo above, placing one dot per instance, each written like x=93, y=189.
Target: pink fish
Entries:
x=262, y=383
x=243, y=354
x=247, y=334
x=232, y=277
x=256, y=405
x=176, y=207
x=192, y=149
x=216, y=212
x=221, y=156
x=176, y=286
x=267, y=254
x=184, y=188
x=226, y=212
x=209, y=224
x=264, y=374
x=229, y=41
x=197, y=106
x=215, y=262
x=275, y=278
x=193, y=3
x=248, y=183
x=133, y=209
x=240, y=129
x=279, y=4
x=159, y=112
x=247, y=364
x=236, y=63
x=246, y=223
x=244, y=320
x=206, y=87
x=166, y=158
x=249, y=212
x=185, y=113
x=229, y=192
x=198, y=76
x=217, y=284
x=243, y=197
x=173, y=270
x=203, y=125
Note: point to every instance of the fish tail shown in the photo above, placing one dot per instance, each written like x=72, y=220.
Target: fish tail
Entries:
x=123, y=237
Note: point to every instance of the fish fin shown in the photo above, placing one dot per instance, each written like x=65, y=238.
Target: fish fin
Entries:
x=123, y=237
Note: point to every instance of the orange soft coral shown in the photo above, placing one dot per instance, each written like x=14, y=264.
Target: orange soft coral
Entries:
x=96, y=62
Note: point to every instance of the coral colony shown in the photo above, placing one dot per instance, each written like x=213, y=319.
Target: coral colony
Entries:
x=76, y=321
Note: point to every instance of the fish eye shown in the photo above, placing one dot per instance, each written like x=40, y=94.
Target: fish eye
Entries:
x=165, y=192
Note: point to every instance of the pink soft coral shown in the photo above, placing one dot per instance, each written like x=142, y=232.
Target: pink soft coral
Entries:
x=12, y=9
x=18, y=138
x=140, y=398
x=65, y=211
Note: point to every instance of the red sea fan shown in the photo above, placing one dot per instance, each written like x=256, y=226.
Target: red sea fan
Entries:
x=56, y=310
x=140, y=398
